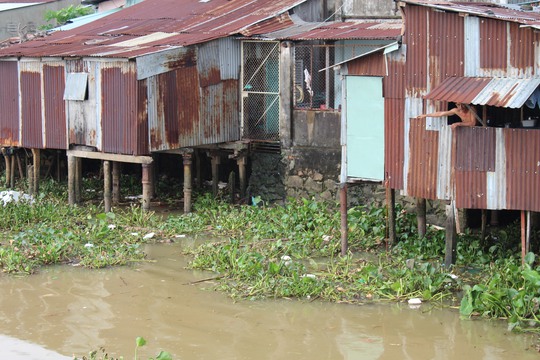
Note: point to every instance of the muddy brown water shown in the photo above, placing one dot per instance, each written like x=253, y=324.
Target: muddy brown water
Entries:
x=64, y=311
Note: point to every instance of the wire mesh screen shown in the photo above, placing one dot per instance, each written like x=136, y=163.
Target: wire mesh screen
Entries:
x=260, y=90
x=313, y=88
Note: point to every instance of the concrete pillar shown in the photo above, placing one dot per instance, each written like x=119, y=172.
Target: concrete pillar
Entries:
x=107, y=199
x=116, y=182
x=146, y=186
x=187, y=161
x=72, y=169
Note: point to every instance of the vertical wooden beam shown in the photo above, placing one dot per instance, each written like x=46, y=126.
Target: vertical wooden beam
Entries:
x=198, y=170
x=72, y=169
x=187, y=161
x=216, y=160
x=30, y=178
x=528, y=233
x=421, y=217
x=107, y=185
x=344, y=222
x=483, y=226
x=7, y=160
x=36, y=155
x=146, y=186
x=391, y=210
x=523, y=235
x=116, y=182
x=241, y=161
x=451, y=237
x=232, y=185
x=78, y=179
x=494, y=221
x=12, y=171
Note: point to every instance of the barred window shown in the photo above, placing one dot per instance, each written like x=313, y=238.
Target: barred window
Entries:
x=316, y=86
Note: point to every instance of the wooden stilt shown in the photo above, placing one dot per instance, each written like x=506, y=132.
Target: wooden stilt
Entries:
x=36, y=155
x=391, y=210
x=7, y=161
x=483, y=226
x=146, y=186
x=72, y=169
x=241, y=161
x=78, y=179
x=30, y=178
x=107, y=199
x=523, y=236
x=116, y=182
x=187, y=162
x=528, y=233
x=421, y=217
x=12, y=171
x=451, y=237
x=344, y=222
x=20, y=167
x=494, y=218
x=216, y=159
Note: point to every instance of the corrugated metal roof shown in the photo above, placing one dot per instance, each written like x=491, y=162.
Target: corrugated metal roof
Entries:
x=338, y=30
x=501, y=92
x=188, y=22
x=489, y=10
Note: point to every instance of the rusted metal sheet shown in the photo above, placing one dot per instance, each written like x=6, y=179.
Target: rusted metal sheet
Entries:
x=143, y=146
x=446, y=50
x=394, y=82
x=9, y=104
x=502, y=92
x=164, y=61
x=372, y=65
x=522, y=169
x=393, y=134
x=475, y=149
x=160, y=25
x=119, y=108
x=416, y=38
x=54, y=107
x=208, y=64
x=493, y=44
x=423, y=152
x=219, y=113
x=31, y=118
x=522, y=58
x=471, y=189
x=339, y=30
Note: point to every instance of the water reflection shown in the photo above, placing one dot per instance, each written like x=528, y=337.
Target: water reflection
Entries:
x=73, y=310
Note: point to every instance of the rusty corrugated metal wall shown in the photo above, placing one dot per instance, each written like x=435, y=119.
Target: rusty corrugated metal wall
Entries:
x=485, y=168
x=54, y=82
x=196, y=104
x=9, y=104
x=30, y=102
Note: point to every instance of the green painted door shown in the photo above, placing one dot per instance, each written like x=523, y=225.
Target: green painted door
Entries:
x=365, y=128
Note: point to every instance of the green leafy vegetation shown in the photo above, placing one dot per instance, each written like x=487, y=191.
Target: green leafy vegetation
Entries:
x=101, y=354
x=284, y=251
x=62, y=16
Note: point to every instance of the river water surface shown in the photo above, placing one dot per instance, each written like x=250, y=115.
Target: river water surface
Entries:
x=64, y=311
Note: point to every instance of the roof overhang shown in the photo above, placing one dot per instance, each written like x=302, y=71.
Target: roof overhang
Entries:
x=388, y=48
x=501, y=92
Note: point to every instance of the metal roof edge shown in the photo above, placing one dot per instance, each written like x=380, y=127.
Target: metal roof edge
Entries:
x=395, y=44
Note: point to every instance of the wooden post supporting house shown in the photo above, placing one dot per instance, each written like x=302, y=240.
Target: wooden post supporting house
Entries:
x=78, y=180
x=215, y=160
x=12, y=171
x=451, y=237
x=146, y=186
x=74, y=168
x=187, y=161
x=344, y=222
x=421, y=217
x=7, y=160
x=391, y=210
x=116, y=166
x=241, y=161
x=36, y=155
x=107, y=199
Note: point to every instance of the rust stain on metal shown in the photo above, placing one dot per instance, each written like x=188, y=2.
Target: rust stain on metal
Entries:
x=475, y=150
x=522, y=169
x=9, y=104
x=55, y=111
x=394, y=135
x=31, y=120
x=471, y=189
x=493, y=44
